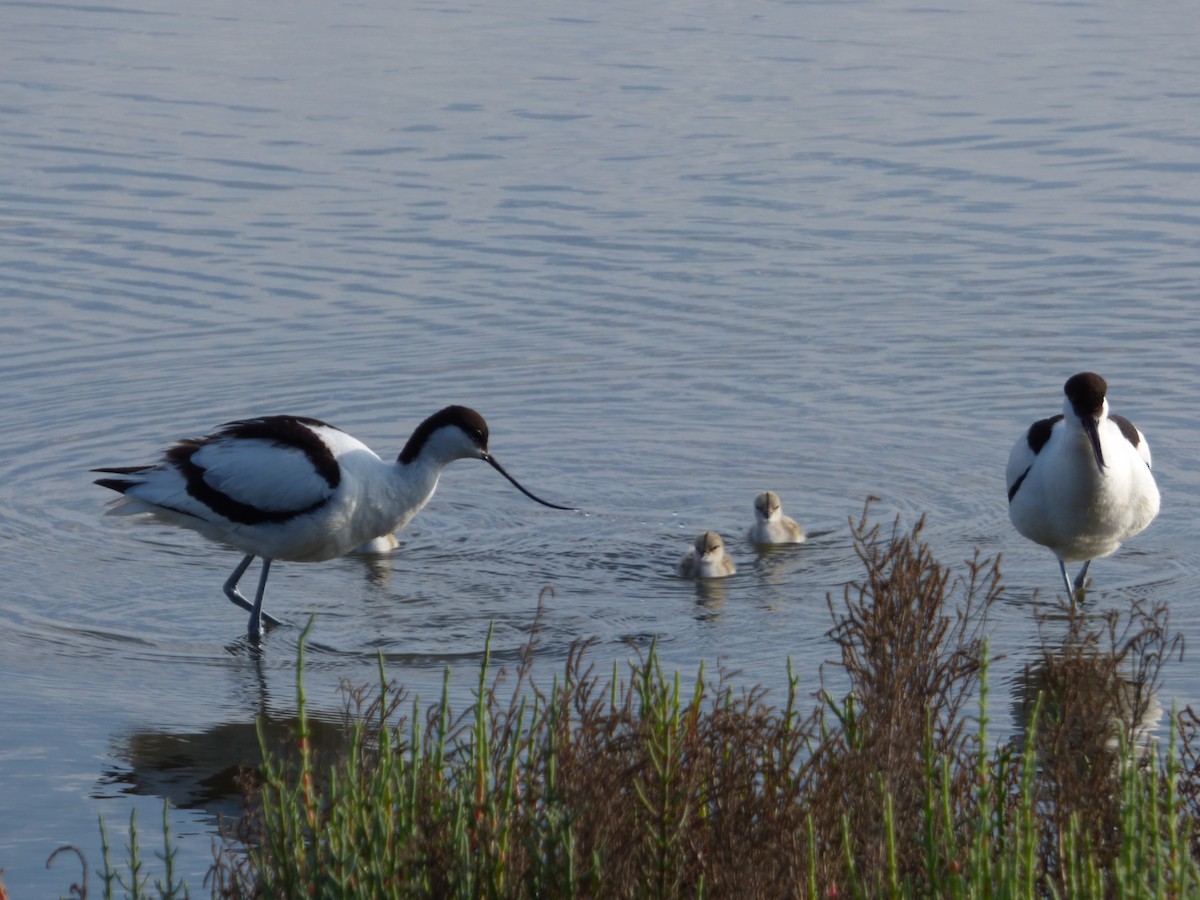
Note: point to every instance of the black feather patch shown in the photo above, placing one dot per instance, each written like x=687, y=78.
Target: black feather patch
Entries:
x=125, y=470
x=221, y=503
x=1039, y=433
x=1127, y=429
x=120, y=485
x=1036, y=437
x=1012, y=491
x=282, y=431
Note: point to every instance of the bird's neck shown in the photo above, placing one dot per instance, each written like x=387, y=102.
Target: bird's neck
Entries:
x=414, y=483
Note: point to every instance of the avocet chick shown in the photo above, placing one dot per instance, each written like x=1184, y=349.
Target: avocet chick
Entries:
x=707, y=558
x=771, y=526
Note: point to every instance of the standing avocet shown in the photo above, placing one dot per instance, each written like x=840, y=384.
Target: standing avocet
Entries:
x=294, y=488
x=771, y=526
x=1080, y=483
x=707, y=558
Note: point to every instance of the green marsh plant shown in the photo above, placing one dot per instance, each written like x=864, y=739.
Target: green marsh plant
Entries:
x=638, y=783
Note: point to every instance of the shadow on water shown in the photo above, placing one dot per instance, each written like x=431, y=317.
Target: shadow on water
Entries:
x=208, y=771
x=212, y=770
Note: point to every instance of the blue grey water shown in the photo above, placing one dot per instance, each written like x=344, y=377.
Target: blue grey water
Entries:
x=675, y=253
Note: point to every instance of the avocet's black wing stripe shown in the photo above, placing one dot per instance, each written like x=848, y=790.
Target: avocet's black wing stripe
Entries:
x=225, y=505
x=124, y=470
x=1025, y=452
x=250, y=472
x=288, y=431
x=258, y=471
x=120, y=485
x=1012, y=491
x=1128, y=429
x=1039, y=433
x=1131, y=434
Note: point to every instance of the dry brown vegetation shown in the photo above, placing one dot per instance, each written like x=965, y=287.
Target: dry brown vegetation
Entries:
x=636, y=785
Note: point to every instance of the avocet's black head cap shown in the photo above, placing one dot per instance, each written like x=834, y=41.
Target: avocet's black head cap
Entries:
x=471, y=424
x=467, y=420
x=1085, y=392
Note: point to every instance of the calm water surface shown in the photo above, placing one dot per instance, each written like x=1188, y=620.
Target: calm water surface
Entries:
x=674, y=254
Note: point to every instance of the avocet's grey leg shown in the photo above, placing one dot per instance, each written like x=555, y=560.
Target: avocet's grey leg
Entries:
x=1062, y=567
x=1082, y=576
x=254, y=629
x=232, y=592
x=231, y=583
